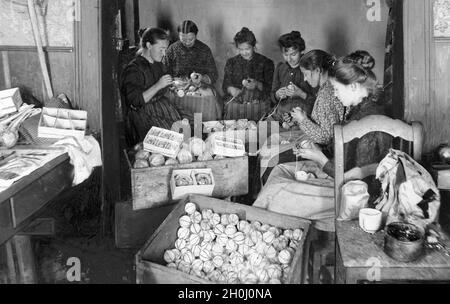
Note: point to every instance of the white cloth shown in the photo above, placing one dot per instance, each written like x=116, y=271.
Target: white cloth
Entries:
x=85, y=155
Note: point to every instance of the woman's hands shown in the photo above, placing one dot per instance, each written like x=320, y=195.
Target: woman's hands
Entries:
x=281, y=94
x=292, y=90
x=234, y=91
x=164, y=82
x=298, y=115
x=309, y=150
x=252, y=84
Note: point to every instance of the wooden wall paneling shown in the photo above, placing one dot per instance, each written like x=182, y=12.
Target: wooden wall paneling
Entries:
x=4, y=66
x=109, y=100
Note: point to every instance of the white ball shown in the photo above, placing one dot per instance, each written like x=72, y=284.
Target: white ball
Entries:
x=208, y=266
x=197, y=265
x=236, y=258
x=184, y=250
x=188, y=257
x=263, y=276
x=280, y=243
x=172, y=265
x=244, y=250
x=190, y=208
x=288, y=233
x=284, y=257
x=206, y=246
x=195, y=228
x=205, y=225
x=207, y=214
x=214, y=276
x=276, y=232
x=231, y=246
x=177, y=254
x=271, y=253
x=264, y=228
x=217, y=249
x=209, y=236
x=169, y=256
x=184, y=267
x=215, y=219
x=218, y=261
x=261, y=248
x=256, y=259
x=205, y=255
x=222, y=240
x=239, y=238
x=183, y=233
x=233, y=219
x=196, y=217
x=256, y=236
x=185, y=221
x=180, y=244
x=256, y=225
x=274, y=271
x=196, y=250
x=249, y=242
x=251, y=278
x=297, y=234
x=230, y=230
x=244, y=226
x=194, y=239
x=224, y=219
x=219, y=229
x=268, y=237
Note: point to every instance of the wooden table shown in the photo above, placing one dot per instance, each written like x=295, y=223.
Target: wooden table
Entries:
x=20, y=205
x=360, y=258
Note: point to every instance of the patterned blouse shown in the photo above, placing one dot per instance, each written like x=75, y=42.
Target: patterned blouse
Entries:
x=259, y=67
x=181, y=61
x=284, y=74
x=327, y=111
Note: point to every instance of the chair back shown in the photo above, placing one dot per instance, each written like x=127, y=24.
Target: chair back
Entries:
x=357, y=129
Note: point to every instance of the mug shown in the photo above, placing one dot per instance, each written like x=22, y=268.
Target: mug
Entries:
x=370, y=220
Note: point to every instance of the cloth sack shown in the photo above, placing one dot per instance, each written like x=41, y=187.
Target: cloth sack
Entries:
x=355, y=196
x=409, y=193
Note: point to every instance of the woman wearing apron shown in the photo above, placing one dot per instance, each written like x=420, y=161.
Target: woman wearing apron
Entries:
x=247, y=79
x=144, y=87
x=189, y=58
x=314, y=199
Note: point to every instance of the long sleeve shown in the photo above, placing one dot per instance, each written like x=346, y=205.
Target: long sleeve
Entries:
x=268, y=77
x=227, y=78
x=276, y=84
x=326, y=113
x=168, y=61
x=133, y=87
x=210, y=67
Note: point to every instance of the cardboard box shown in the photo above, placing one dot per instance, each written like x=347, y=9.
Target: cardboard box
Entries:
x=226, y=146
x=10, y=101
x=150, y=264
x=150, y=187
x=163, y=142
x=60, y=123
x=179, y=192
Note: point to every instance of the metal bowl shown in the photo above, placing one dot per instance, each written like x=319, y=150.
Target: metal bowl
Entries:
x=404, y=242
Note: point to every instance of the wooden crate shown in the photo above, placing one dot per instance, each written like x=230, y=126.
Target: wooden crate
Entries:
x=149, y=260
x=150, y=187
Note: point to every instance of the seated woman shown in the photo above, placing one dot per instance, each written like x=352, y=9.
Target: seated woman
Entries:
x=289, y=90
x=143, y=87
x=189, y=58
x=328, y=110
x=247, y=78
x=314, y=199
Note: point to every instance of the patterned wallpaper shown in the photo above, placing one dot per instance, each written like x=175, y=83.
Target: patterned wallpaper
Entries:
x=55, y=22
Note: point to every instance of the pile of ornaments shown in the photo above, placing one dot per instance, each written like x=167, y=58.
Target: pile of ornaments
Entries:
x=224, y=249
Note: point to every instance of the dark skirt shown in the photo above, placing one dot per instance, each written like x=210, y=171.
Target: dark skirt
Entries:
x=159, y=112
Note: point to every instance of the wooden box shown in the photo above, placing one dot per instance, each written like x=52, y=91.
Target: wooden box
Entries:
x=60, y=123
x=149, y=260
x=150, y=187
x=163, y=141
x=10, y=101
x=178, y=192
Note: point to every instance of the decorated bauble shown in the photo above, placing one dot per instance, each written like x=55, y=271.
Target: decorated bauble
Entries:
x=207, y=214
x=197, y=265
x=249, y=242
x=284, y=257
x=209, y=236
x=256, y=225
x=206, y=246
x=172, y=265
x=231, y=246
x=224, y=219
x=244, y=227
x=236, y=258
x=268, y=237
x=185, y=221
x=196, y=249
x=230, y=230
x=180, y=244
x=261, y=248
x=239, y=238
x=205, y=255
x=297, y=234
x=232, y=278
x=183, y=233
x=256, y=236
x=214, y=276
x=215, y=219
x=190, y=208
x=233, y=219
x=271, y=253
x=219, y=229
x=217, y=249
x=196, y=217
x=208, y=267
x=205, y=225
x=276, y=232
x=194, y=239
x=251, y=278
x=188, y=257
x=181, y=93
x=222, y=240
x=184, y=267
x=255, y=259
x=274, y=271
x=169, y=256
x=288, y=233
x=218, y=261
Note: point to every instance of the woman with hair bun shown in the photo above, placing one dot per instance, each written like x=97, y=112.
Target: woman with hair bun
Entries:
x=143, y=87
x=363, y=58
x=354, y=86
x=248, y=77
x=289, y=90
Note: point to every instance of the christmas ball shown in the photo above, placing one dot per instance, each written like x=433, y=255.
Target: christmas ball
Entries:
x=256, y=236
x=215, y=219
x=195, y=228
x=196, y=217
x=197, y=265
x=185, y=221
x=297, y=234
x=244, y=227
x=231, y=246
x=207, y=214
x=218, y=261
x=268, y=237
x=222, y=240
x=239, y=238
x=188, y=257
x=169, y=256
x=194, y=239
x=196, y=249
x=183, y=233
x=208, y=267
x=180, y=244
x=288, y=233
x=219, y=229
x=205, y=255
x=284, y=257
x=233, y=219
x=230, y=230
x=205, y=225
x=190, y=208
x=224, y=219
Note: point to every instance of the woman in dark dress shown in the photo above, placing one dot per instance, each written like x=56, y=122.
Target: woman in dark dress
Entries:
x=289, y=89
x=143, y=87
x=247, y=78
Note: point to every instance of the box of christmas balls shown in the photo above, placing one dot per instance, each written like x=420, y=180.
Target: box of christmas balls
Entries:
x=206, y=240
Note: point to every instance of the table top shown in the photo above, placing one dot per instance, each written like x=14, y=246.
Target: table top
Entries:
x=358, y=249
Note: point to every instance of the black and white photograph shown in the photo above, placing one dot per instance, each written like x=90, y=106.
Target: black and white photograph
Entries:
x=227, y=149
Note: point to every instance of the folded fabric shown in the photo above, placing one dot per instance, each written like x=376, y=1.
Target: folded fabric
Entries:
x=85, y=155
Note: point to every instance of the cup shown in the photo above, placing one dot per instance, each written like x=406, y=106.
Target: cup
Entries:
x=370, y=220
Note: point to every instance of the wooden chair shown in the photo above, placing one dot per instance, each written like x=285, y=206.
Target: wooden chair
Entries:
x=355, y=248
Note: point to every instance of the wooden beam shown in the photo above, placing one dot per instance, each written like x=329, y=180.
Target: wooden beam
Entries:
x=40, y=227
x=6, y=70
